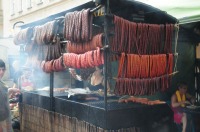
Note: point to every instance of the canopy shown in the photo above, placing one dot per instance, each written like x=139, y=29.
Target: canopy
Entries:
x=186, y=11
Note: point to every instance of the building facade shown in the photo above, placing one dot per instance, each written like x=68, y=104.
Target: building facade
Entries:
x=18, y=12
x=14, y=13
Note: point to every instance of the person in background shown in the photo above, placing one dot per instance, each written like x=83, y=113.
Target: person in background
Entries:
x=97, y=80
x=5, y=93
x=179, y=100
x=78, y=78
x=94, y=81
x=26, y=79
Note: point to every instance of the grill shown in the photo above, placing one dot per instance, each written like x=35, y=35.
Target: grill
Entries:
x=114, y=104
x=118, y=115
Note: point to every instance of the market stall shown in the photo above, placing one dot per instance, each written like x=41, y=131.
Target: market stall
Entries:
x=139, y=56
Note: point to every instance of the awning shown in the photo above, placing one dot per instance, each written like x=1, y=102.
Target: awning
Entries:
x=186, y=11
x=88, y=4
x=128, y=9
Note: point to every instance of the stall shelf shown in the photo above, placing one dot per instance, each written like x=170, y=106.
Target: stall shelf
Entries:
x=106, y=114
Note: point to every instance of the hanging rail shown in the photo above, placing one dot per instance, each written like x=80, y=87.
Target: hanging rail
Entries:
x=171, y=74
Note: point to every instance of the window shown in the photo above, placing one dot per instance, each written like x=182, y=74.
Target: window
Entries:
x=12, y=7
x=39, y=2
x=29, y=5
x=20, y=6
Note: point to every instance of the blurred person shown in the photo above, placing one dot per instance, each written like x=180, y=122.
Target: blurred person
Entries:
x=78, y=78
x=95, y=81
x=179, y=100
x=5, y=93
x=26, y=78
x=22, y=76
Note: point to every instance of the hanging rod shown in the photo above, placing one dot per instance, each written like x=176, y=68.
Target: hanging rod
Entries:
x=110, y=34
x=119, y=53
x=64, y=42
x=171, y=74
x=61, y=17
x=103, y=48
x=92, y=10
x=96, y=25
x=176, y=26
x=96, y=8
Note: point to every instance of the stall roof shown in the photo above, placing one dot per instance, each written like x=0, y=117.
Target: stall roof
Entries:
x=124, y=8
x=186, y=11
x=57, y=15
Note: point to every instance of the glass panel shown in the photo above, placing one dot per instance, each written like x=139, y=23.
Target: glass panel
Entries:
x=26, y=79
x=62, y=82
x=35, y=81
x=81, y=85
x=32, y=78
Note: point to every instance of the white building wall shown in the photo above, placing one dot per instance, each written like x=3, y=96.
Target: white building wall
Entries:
x=3, y=56
x=7, y=48
x=27, y=13
x=37, y=11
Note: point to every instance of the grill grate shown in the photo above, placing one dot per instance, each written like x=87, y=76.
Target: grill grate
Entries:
x=113, y=105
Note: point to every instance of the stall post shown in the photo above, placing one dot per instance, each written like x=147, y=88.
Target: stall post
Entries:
x=106, y=51
x=52, y=106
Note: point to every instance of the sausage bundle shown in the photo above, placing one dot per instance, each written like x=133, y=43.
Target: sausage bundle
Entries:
x=24, y=36
x=82, y=47
x=147, y=86
x=46, y=34
x=53, y=65
x=141, y=38
x=141, y=100
x=143, y=74
x=145, y=66
x=78, y=26
x=87, y=60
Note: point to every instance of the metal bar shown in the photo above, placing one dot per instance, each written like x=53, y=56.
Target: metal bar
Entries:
x=21, y=57
x=61, y=17
x=51, y=92
x=171, y=74
x=92, y=10
x=52, y=105
x=64, y=42
x=195, y=78
x=96, y=25
x=103, y=48
x=106, y=42
x=96, y=8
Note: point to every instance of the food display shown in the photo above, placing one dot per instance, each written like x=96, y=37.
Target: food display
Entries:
x=192, y=107
x=141, y=101
x=86, y=69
